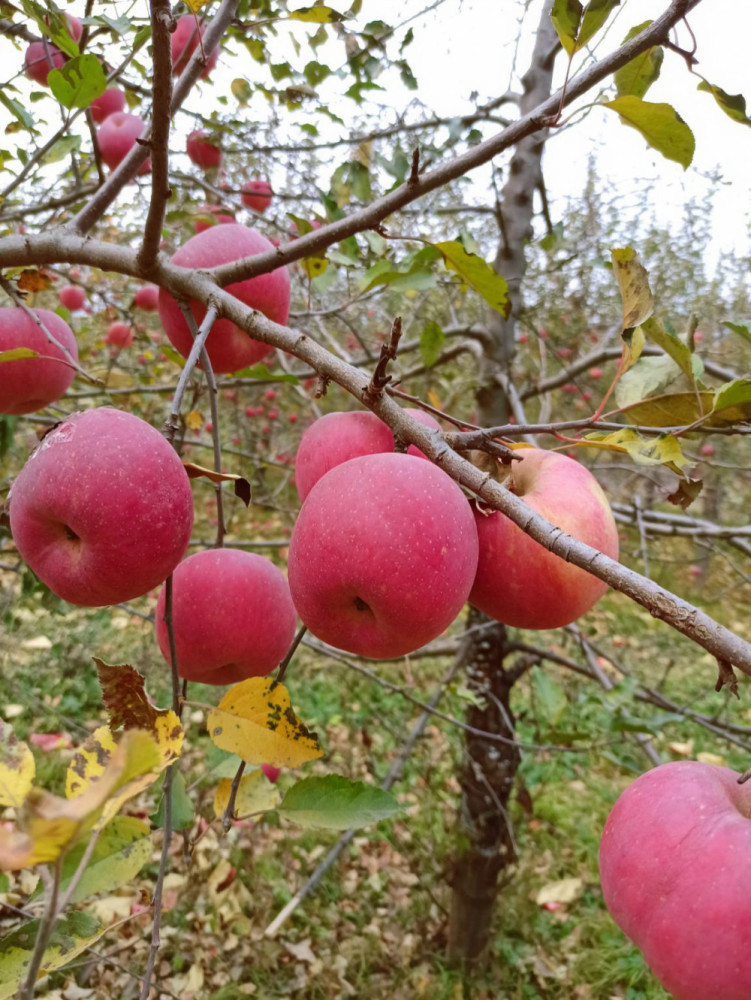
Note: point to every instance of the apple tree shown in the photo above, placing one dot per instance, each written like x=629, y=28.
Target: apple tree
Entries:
x=177, y=253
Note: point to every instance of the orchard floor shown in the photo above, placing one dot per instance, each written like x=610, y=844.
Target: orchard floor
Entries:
x=376, y=927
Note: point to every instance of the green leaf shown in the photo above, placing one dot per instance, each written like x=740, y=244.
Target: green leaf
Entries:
x=432, y=340
x=183, y=813
x=172, y=355
x=742, y=331
x=78, y=82
x=566, y=16
x=648, y=377
x=17, y=110
x=596, y=14
x=551, y=698
x=241, y=90
x=316, y=15
x=660, y=125
x=417, y=278
x=671, y=345
x=62, y=148
x=637, y=76
x=314, y=267
x=733, y=394
x=122, y=850
x=478, y=274
x=734, y=105
x=17, y=353
x=262, y=372
x=72, y=935
x=336, y=803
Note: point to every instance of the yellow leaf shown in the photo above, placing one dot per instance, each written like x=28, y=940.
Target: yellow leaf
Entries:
x=633, y=281
x=664, y=449
x=17, y=767
x=255, y=794
x=31, y=280
x=90, y=761
x=566, y=890
x=124, y=694
x=194, y=421
x=255, y=720
x=54, y=824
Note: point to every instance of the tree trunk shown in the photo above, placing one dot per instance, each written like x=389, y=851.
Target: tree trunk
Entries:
x=487, y=777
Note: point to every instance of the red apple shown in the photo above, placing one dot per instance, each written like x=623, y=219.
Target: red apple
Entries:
x=202, y=152
x=30, y=384
x=256, y=195
x=427, y=420
x=72, y=297
x=271, y=772
x=184, y=43
x=111, y=101
x=521, y=583
x=40, y=58
x=707, y=450
x=233, y=617
x=595, y=372
x=675, y=877
x=230, y=348
x=102, y=511
x=147, y=298
x=116, y=137
x=335, y=438
x=119, y=335
x=212, y=215
x=382, y=556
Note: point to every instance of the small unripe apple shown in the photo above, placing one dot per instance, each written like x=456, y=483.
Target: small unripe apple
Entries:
x=523, y=584
x=256, y=195
x=232, y=615
x=382, y=555
x=72, y=297
x=675, y=877
x=230, y=348
x=119, y=335
x=147, y=298
x=30, y=384
x=117, y=135
x=185, y=39
x=102, y=511
x=111, y=101
x=212, y=215
x=202, y=151
x=40, y=58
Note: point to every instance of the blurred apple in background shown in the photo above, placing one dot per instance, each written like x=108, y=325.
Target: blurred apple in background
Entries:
x=30, y=384
x=256, y=195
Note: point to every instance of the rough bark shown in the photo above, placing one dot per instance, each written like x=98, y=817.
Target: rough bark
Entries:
x=487, y=778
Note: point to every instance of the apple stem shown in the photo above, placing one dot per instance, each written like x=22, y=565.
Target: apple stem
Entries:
x=290, y=653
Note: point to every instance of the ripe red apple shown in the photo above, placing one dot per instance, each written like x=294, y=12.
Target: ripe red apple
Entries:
x=147, y=298
x=72, y=297
x=521, y=583
x=202, y=151
x=212, y=215
x=595, y=372
x=184, y=43
x=230, y=348
x=382, y=556
x=427, y=420
x=675, y=877
x=271, y=772
x=30, y=384
x=335, y=438
x=116, y=137
x=119, y=335
x=111, y=101
x=40, y=58
x=233, y=617
x=102, y=511
x=707, y=450
x=256, y=195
